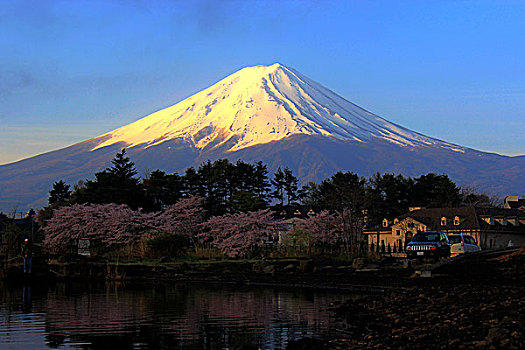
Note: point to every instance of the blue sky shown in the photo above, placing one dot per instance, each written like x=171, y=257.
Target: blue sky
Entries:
x=72, y=70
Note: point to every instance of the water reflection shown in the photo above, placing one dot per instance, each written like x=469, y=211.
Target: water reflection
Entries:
x=175, y=316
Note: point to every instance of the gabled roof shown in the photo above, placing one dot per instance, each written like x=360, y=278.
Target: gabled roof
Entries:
x=513, y=212
x=432, y=217
x=470, y=218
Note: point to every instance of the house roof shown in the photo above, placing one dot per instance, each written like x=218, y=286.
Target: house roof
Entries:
x=513, y=212
x=513, y=202
x=470, y=218
x=432, y=217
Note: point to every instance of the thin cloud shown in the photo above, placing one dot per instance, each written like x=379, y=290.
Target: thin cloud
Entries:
x=13, y=80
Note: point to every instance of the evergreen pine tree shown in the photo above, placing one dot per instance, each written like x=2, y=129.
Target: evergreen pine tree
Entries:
x=60, y=193
x=261, y=183
x=278, y=183
x=117, y=184
x=290, y=186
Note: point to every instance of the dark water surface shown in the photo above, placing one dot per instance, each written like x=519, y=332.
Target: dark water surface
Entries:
x=172, y=316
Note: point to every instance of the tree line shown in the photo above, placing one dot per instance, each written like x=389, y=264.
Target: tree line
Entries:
x=234, y=207
x=242, y=187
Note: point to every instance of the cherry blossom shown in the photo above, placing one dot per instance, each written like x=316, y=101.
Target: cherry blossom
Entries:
x=239, y=235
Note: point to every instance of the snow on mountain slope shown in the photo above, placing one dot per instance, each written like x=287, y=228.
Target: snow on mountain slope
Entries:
x=258, y=105
x=271, y=114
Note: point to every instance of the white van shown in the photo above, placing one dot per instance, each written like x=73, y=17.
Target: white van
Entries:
x=461, y=244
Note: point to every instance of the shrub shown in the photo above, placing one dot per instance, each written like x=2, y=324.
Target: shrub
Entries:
x=170, y=245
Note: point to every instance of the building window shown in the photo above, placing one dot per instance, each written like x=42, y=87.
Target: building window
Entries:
x=398, y=232
x=443, y=221
x=385, y=223
x=456, y=221
x=488, y=220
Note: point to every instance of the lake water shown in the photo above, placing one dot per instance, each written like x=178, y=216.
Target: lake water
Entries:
x=170, y=316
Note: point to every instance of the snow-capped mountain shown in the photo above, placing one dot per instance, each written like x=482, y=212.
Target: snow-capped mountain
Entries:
x=272, y=114
x=261, y=104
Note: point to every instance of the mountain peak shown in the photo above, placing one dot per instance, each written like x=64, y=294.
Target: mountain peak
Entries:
x=258, y=105
x=264, y=69
x=268, y=114
x=271, y=67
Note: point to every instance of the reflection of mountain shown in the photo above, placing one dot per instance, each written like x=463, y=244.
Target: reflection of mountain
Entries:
x=272, y=114
x=189, y=317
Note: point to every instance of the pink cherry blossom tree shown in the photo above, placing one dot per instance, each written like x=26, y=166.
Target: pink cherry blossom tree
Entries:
x=239, y=235
x=117, y=225
x=182, y=218
x=351, y=229
x=110, y=224
x=321, y=229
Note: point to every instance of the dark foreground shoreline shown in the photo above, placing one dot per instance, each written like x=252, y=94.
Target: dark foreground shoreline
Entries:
x=474, y=303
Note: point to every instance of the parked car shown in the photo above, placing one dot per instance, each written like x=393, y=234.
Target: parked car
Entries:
x=428, y=244
x=462, y=244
